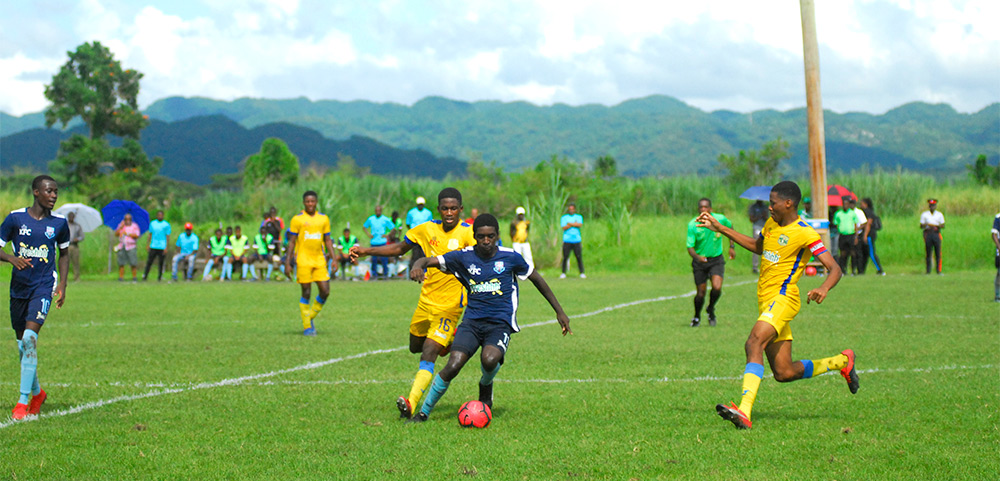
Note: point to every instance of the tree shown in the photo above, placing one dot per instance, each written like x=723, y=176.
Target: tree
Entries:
x=274, y=164
x=983, y=173
x=606, y=167
x=92, y=85
x=756, y=168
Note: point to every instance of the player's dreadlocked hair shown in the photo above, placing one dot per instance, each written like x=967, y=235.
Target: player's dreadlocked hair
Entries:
x=486, y=220
x=788, y=190
x=450, y=193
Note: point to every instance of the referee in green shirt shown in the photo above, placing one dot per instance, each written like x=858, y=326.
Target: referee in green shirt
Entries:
x=705, y=249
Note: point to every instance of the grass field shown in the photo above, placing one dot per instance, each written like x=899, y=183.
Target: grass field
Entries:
x=215, y=381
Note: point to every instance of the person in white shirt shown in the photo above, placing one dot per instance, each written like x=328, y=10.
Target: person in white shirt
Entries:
x=932, y=221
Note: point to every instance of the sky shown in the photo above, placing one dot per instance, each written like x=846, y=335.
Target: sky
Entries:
x=721, y=54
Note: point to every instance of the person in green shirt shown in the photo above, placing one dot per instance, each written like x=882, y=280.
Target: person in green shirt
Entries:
x=217, y=253
x=263, y=245
x=806, y=211
x=846, y=221
x=705, y=248
x=344, y=243
x=238, y=245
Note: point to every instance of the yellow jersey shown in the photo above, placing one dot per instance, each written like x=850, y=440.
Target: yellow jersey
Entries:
x=521, y=231
x=309, y=231
x=441, y=289
x=786, y=251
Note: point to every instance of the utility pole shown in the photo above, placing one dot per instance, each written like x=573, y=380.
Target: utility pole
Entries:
x=814, y=114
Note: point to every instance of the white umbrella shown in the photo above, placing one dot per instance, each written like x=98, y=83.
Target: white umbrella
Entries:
x=87, y=217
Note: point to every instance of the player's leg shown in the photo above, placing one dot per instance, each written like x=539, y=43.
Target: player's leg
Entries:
x=467, y=341
x=928, y=249
x=495, y=347
x=937, y=252
x=779, y=356
x=701, y=285
x=565, y=259
x=713, y=297
x=324, y=293
x=305, y=286
x=874, y=256
x=434, y=329
x=996, y=282
x=578, y=253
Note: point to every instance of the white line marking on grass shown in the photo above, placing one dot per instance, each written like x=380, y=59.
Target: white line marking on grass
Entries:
x=303, y=367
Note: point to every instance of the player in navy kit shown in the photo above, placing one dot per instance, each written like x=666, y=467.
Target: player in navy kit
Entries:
x=34, y=234
x=490, y=275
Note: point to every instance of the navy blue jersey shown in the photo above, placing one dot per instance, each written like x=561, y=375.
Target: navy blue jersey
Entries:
x=37, y=241
x=492, y=283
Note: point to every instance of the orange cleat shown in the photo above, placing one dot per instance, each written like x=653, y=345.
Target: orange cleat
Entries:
x=733, y=414
x=19, y=412
x=849, y=373
x=35, y=406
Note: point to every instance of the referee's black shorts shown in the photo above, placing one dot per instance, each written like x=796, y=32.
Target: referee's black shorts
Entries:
x=703, y=271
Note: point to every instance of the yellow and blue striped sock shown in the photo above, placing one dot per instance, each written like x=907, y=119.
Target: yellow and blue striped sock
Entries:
x=420, y=382
x=752, y=376
x=306, y=312
x=317, y=306
x=820, y=366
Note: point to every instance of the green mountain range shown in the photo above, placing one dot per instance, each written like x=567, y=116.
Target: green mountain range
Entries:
x=655, y=135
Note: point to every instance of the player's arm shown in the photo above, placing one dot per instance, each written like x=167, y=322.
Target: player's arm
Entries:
x=546, y=291
x=417, y=273
x=329, y=249
x=6, y=234
x=388, y=250
x=292, y=237
x=819, y=294
x=749, y=243
x=513, y=229
x=63, y=266
x=19, y=263
x=694, y=255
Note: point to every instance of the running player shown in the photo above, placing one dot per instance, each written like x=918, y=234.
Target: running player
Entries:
x=490, y=274
x=707, y=262
x=34, y=233
x=784, y=244
x=308, y=233
x=442, y=297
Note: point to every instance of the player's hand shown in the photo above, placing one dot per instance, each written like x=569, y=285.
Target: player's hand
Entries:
x=564, y=323
x=288, y=271
x=21, y=263
x=818, y=294
x=703, y=259
x=60, y=295
x=354, y=253
x=417, y=275
x=732, y=253
x=708, y=221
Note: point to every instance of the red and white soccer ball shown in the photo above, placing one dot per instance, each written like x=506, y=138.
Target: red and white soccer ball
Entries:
x=474, y=414
x=810, y=271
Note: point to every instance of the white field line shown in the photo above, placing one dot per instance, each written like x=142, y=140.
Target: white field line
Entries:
x=172, y=387
x=303, y=367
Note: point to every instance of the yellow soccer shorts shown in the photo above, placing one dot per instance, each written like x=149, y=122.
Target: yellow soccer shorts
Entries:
x=309, y=274
x=778, y=311
x=435, y=322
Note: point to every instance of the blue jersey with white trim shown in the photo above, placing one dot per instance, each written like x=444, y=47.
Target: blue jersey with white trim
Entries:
x=491, y=283
x=36, y=241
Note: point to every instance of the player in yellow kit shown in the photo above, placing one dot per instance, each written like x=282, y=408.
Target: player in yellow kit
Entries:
x=442, y=296
x=785, y=245
x=308, y=233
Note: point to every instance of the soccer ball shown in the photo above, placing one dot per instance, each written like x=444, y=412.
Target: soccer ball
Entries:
x=810, y=271
x=210, y=277
x=474, y=414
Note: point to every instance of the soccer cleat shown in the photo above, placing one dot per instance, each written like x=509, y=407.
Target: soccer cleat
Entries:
x=19, y=412
x=711, y=319
x=583, y=276
x=403, y=404
x=695, y=322
x=309, y=332
x=35, y=405
x=849, y=373
x=733, y=414
x=417, y=418
x=562, y=276
x=486, y=395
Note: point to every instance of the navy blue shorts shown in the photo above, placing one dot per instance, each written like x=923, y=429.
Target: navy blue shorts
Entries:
x=35, y=309
x=472, y=334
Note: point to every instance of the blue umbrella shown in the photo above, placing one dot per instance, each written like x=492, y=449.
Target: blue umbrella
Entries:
x=757, y=192
x=115, y=211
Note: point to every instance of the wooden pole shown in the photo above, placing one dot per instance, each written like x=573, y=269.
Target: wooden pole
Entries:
x=814, y=114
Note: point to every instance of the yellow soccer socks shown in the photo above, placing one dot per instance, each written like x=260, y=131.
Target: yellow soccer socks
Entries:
x=820, y=366
x=751, y=382
x=306, y=312
x=317, y=306
x=421, y=382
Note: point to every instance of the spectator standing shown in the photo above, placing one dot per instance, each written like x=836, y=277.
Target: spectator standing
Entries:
x=834, y=248
x=278, y=224
x=378, y=227
x=187, y=249
x=846, y=221
x=414, y=217
x=871, y=235
x=159, y=238
x=472, y=218
x=571, y=222
x=519, y=236
x=995, y=233
x=344, y=243
x=75, y=238
x=860, y=241
x=758, y=214
x=127, y=232
x=932, y=221
x=806, y=211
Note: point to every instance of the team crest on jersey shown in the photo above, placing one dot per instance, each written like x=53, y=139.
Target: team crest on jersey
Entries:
x=50, y=232
x=474, y=270
x=498, y=267
x=452, y=244
x=783, y=240
x=24, y=230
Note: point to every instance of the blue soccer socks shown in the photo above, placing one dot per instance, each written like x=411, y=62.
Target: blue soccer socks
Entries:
x=438, y=388
x=29, y=365
x=488, y=376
